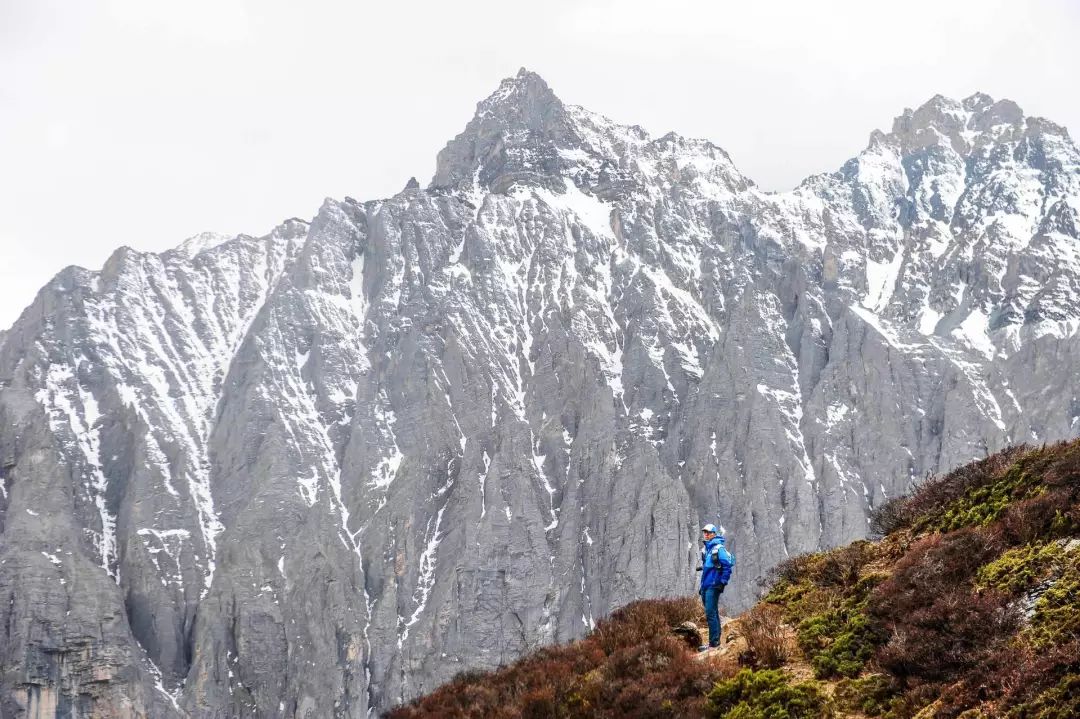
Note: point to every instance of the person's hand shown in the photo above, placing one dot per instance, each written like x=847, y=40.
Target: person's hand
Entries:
x=698, y=569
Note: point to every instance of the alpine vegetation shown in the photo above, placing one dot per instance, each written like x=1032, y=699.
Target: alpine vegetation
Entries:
x=968, y=607
x=322, y=471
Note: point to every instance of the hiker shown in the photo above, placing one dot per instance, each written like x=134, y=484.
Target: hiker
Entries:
x=716, y=564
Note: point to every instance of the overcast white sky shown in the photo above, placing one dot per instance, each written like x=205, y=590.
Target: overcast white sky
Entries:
x=139, y=122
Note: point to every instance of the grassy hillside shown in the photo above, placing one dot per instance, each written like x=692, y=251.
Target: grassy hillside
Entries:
x=969, y=606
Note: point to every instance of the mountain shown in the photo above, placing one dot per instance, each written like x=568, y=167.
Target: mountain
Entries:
x=321, y=471
x=969, y=606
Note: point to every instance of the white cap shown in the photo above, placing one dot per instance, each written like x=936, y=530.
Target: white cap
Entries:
x=709, y=528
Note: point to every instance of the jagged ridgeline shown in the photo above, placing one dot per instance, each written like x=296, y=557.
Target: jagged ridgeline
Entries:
x=968, y=607
x=320, y=471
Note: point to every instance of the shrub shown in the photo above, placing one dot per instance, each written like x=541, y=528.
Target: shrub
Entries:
x=1031, y=678
x=768, y=639
x=651, y=655
x=1059, y=702
x=1022, y=567
x=934, y=565
x=950, y=633
x=1052, y=509
x=1057, y=612
x=630, y=667
x=892, y=516
x=1015, y=681
x=1064, y=471
x=640, y=621
x=789, y=581
x=766, y=694
x=1047, y=515
x=982, y=505
x=809, y=584
x=932, y=496
x=838, y=567
x=674, y=688
x=840, y=643
x=870, y=695
x=794, y=569
x=840, y=640
x=991, y=486
x=798, y=599
x=984, y=491
x=539, y=704
x=938, y=624
x=842, y=567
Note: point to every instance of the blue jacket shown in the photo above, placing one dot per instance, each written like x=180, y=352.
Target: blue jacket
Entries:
x=717, y=563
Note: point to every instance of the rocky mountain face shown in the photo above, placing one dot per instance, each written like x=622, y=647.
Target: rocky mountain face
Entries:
x=314, y=473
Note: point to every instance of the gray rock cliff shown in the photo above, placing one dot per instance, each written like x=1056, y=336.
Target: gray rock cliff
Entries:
x=315, y=473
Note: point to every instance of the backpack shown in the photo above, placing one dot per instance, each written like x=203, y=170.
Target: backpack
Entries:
x=715, y=555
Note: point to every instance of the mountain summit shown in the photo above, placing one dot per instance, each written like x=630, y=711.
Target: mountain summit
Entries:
x=318, y=472
x=523, y=133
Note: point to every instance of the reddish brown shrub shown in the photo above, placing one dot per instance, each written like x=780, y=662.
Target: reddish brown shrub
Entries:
x=895, y=514
x=841, y=567
x=792, y=569
x=638, y=622
x=934, y=565
x=952, y=632
x=651, y=655
x=836, y=568
x=768, y=640
x=1012, y=675
x=1029, y=672
x=938, y=624
x=1064, y=470
x=631, y=666
x=1045, y=516
x=647, y=681
x=539, y=704
x=986, y=682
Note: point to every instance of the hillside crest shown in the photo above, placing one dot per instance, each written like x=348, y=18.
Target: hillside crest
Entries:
x=968, y=606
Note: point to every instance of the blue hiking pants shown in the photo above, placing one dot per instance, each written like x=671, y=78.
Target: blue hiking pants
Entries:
x=710, y=597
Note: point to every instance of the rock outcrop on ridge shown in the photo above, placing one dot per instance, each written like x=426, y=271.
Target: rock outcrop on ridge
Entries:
x=317, y=472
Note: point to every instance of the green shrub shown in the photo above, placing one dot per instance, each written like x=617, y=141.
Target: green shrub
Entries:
x=767, y=694
x=933, y=496
x=840, y=641
x=869, y=695
x=1057, y=612
x=1023, y=567
x=796, y=598
x=979, y=506
x=852, y=648
x=1059, y=702
x=807, y=584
